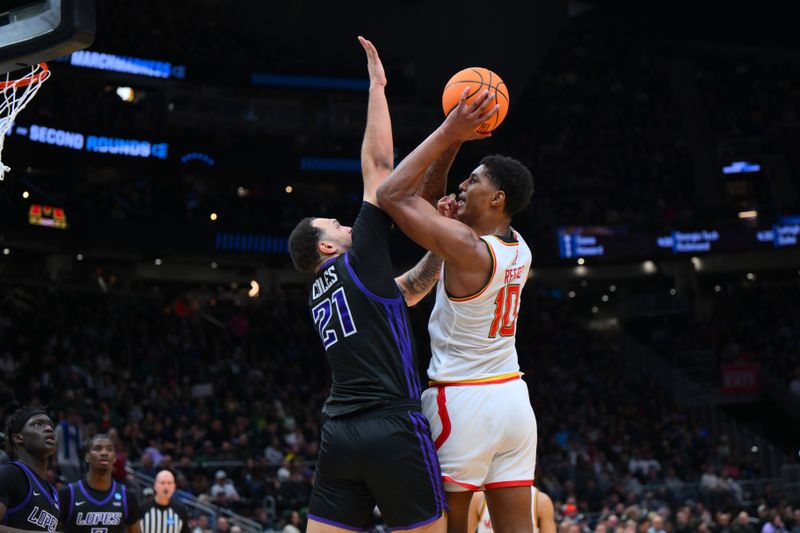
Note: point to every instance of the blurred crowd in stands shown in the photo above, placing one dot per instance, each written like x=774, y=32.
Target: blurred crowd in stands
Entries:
x=229, y=394
x=751, y=322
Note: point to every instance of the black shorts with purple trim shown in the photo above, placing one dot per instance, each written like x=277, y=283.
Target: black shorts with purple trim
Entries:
x=382, y=457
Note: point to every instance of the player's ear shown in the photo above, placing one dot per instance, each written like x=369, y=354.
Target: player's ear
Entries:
x=326, y=247
x=498, y=198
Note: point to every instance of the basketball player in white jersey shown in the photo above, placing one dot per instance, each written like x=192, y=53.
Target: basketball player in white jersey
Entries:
x=478, y=407
x=543, y=513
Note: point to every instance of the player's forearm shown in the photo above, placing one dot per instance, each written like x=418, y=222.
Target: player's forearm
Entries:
x=404, y=181
x=434, y=182
x=418, y=282
x=377, y=150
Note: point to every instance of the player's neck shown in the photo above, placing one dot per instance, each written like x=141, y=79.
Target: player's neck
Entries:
x=328, y=259
x=162, y=500
x=100, y=481
x=37, y=465
x=492, y=226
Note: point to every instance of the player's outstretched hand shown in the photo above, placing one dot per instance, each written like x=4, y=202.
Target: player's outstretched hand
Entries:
x=447, y=206
x=377, y=76
x=462, y=122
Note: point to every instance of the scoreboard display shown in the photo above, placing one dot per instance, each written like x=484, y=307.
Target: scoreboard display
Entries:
x=622, y=243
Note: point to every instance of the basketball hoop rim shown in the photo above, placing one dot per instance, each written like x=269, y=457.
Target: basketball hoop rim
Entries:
x=36, y=76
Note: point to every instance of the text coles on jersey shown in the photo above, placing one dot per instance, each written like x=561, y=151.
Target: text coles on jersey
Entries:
x=322, y=284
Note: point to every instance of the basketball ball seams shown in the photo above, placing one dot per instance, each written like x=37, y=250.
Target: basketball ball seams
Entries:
x=479, y=73
x=483, y=79
x=470, y=95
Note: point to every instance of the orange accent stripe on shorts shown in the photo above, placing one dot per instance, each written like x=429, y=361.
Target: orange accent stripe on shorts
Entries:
x=501, y=484
x=441, y=403
x=493, y=380
x=469, y=486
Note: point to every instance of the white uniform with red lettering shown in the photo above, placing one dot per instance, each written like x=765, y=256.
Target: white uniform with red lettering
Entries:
x=485, y=521
x=478, y=407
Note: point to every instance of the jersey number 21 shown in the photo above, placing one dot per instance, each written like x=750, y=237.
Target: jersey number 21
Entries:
x=322, y=313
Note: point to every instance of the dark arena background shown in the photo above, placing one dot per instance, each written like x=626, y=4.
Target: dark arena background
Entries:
x=146, y=290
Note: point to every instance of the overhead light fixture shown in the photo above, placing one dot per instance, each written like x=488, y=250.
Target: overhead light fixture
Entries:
x=255, y=288
x=126, y=94
x=752, y=213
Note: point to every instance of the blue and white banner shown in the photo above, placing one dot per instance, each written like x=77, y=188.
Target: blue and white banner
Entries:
x=91, y=143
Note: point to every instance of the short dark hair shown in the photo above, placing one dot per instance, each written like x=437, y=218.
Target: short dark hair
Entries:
x=87, y=446
x=303, y=247
x=513, y=178
x=14, y=424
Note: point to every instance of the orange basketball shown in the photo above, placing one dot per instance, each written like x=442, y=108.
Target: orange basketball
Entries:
x=478, y=79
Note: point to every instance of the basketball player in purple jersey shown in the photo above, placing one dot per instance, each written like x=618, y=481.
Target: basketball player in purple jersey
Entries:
x=28, y=502
x=98, y=503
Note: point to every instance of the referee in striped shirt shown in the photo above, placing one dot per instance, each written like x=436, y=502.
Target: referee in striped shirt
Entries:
x=163, y=515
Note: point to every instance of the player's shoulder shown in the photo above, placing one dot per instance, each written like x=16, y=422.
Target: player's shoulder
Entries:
x=11, y=470
x=370, y=215
x=544, y=501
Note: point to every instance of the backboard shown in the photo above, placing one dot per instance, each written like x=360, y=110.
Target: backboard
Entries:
x=36, y=31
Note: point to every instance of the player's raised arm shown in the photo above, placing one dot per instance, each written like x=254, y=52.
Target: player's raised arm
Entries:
x=377, y=149
x=416, y=283
x=448, y=238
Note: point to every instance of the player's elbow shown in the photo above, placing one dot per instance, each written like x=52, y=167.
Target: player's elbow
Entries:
x=387, y=194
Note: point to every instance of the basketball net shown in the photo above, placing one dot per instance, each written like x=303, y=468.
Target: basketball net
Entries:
x=16, y=93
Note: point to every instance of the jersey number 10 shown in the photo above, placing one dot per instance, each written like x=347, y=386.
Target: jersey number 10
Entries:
x=506, y=309
x=322, y=313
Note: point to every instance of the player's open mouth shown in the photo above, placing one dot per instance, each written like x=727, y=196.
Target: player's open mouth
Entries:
x=50, y=440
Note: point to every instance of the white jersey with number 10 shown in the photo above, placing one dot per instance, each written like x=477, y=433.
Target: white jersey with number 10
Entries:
x=472, y=338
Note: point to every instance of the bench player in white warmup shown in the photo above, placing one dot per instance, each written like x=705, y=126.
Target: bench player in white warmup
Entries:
x=478, y=407
x=543, y=513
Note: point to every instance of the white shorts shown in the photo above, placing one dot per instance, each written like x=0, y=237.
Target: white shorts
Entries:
x=485, y=434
